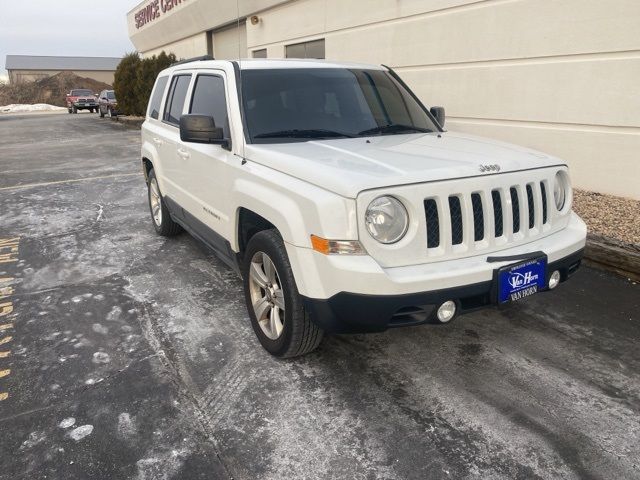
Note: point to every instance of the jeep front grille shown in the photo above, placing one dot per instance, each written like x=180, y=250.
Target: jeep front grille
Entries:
x=496, y=200
x=433, y=224
x=480, y=216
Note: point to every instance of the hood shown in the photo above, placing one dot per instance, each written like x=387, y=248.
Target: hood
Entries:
x=351, y=165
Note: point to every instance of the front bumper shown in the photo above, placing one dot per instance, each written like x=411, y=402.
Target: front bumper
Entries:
x=85, y=105
x=356, y=313
x=354, y=293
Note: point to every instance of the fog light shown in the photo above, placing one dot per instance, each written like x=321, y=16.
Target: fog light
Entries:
x=554, y=280
x=446, y=311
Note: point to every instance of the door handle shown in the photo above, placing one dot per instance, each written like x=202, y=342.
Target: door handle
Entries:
x=157, y=141
x=182, y=153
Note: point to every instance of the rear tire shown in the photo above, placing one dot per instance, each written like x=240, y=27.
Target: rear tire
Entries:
x=160, y=216
x=275, y=307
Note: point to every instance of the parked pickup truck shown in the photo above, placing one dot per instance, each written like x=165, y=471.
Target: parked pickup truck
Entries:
x=344, y=203
x=81, y=100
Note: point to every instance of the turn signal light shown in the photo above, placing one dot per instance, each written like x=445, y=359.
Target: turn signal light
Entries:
x=336, y=247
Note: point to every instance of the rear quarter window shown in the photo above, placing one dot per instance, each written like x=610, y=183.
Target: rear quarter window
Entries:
x=156, y=97
x=176, y=98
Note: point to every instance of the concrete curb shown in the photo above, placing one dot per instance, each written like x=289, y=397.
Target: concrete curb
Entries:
x=609, y=254
x=129, y=122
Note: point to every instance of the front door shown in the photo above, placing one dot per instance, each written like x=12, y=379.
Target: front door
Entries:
x=205, y=176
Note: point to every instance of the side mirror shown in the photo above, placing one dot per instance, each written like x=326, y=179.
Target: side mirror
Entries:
x=438, y=113
x=201, y=129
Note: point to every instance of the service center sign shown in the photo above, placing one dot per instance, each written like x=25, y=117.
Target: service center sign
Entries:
x=153, y=10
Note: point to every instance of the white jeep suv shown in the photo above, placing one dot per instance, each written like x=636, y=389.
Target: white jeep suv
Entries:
x=342, y=201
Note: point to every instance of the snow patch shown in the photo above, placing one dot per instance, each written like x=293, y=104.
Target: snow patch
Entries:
x=114, y=314
x=126, y=425
x=34, y=439
x=98, y=328
x=37, y=107
x=79, y=433
x=164, y=466
x=101, y=357
x=67, y=422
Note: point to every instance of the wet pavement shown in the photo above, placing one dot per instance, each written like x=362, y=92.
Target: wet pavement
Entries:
x=128, y=355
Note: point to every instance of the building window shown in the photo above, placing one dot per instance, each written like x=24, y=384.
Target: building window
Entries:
x=260, y=53
x=312, y=49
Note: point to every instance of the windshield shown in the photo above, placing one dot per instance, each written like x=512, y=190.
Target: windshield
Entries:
x=289, y=105
x=111, y=95
x=76, y=93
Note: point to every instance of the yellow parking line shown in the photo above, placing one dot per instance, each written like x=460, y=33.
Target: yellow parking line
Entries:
x=3, y=396
x=5, y=340
x=4, y=354
x=72, y=180
x=4, y=373
x=6, y=326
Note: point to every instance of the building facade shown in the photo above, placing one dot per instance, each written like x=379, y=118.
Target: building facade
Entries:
x=29, y=68
x=558, y=76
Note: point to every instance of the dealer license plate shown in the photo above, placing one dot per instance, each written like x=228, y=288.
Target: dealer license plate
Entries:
x=522, y=279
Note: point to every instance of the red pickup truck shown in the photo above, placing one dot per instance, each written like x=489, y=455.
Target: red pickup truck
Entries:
x=81, y=99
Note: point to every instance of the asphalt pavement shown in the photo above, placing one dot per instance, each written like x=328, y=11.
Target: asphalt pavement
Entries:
x=128, y=355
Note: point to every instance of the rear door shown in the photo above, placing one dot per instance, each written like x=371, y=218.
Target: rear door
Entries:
x=206, y=167
x=173, y=164
x=153, y=129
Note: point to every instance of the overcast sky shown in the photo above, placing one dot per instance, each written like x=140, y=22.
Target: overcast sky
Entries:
x=64, y=27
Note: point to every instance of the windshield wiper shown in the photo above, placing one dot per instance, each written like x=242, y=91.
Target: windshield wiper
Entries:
x=308, y=133
x=394, y=128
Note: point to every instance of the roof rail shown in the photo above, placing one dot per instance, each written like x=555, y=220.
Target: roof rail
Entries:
x=194, y=59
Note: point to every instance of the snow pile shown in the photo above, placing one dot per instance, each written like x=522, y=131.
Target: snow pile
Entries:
x=38, y=107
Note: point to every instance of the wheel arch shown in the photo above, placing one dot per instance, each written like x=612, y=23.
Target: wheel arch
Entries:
x=147, y=165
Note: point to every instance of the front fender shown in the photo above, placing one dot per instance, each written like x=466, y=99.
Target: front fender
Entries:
x=297, y=209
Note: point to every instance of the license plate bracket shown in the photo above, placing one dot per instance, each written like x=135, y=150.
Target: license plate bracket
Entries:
x=522, y=279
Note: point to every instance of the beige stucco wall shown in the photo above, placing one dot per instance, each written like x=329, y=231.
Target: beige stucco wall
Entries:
x=17, y=76
x=185, y=48
x=558, y=76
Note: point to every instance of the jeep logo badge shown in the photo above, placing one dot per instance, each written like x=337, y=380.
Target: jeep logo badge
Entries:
x=489, y=168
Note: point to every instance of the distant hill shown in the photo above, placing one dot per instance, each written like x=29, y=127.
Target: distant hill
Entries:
x=49, y=90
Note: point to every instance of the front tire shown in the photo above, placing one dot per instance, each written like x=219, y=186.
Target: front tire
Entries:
x=100, y=112
x=160, y=216
x=275, y=307
x=75, y=110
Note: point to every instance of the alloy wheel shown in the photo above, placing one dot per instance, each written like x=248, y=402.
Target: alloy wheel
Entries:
x=156, y=202
x=267, y=295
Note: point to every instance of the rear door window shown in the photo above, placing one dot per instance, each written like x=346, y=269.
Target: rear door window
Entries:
x=176, y=98
x=156, y=98
x=209, y=98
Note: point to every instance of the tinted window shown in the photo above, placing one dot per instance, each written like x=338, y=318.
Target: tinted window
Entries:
x=111, y=95
x=156, y=98
x=76, y=93
x=209, y=99
x=177, y=96
x=288, y=103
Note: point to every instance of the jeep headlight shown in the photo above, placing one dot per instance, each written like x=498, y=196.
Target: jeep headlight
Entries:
x=560, y=190
x=386, y=219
